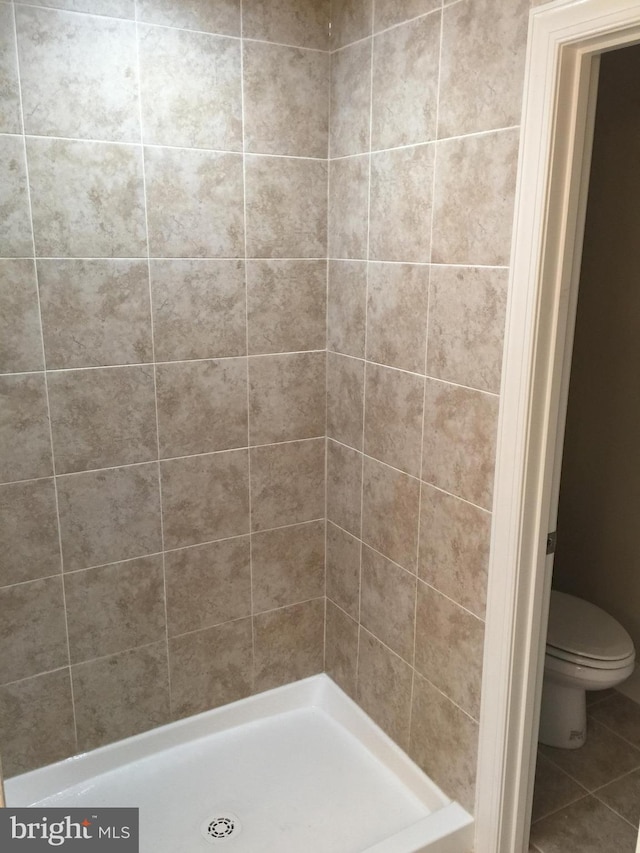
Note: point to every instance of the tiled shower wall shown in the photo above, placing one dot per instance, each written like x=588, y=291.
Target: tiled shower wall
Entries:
x=162, y=309
x=425, y=103
x=228, y=494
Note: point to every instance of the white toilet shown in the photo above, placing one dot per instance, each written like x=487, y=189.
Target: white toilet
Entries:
x=586, y=650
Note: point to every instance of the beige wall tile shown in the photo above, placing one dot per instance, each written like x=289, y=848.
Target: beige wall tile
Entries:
x=287, y=565
x=343, y=570
x=78, y=75
x=400, y=221
x=473, y=202
x=220, y=16
x=115, y=608
x=350, y=100
x=397, y=315
x=482, y=65
x=390, y=513
x=191, y=89
x=348, y=200
x=341, y=649
x=350, y=20
x=346, y=308
x=95, y=313
x=288, y=644
x=207, y=585
x=210, y=668
x=20, y=332
x=285, y=100
x=287, y=397
x=286, y=201
x=388, y=603
x=405, y=83
x=25, y=443
x=454, y=548
x=28, y=532
x=32, y=628
x=286, y=305
x=459, y=441
x=87, y=199
x=304, y=23
x=202, y=406
x=287, y=483
x=388, y=13
x=444, y=742
x=384, y=688
x=345, y=399
x=199, y=309
x=112, y=8
x=15, y=237
x=102, y=417
x=344, y=486
x=36, y=722
x=194, y=203
x=466, y=324
x=120, y=695
x=393, y=417
x=107, y=516
x=205, y=497
x=449, y=644
x=10, y=114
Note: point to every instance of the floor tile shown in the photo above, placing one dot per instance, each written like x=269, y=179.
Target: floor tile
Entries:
x=603, y=758
x=623, y=796
x=553, y=789
x=587, y=826
x=621, y=715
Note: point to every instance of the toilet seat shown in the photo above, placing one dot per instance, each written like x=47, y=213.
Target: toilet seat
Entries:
x=593, y=663
x=583, y=634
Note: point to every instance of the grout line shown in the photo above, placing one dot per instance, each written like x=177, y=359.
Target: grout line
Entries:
x=137, y=20
x=153, y=362
x=246, y=327
x=424, y=390
x=165, y=552
x=153, y=358
x=45, y=378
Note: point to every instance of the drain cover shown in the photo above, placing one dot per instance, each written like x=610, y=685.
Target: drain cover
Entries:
x=221, y=827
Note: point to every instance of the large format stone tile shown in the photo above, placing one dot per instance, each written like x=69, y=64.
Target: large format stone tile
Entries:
x=289, y=644
x=191, y=89
x=210, y=668
x=587, y=826
x=15, y=237
x=199, y=309
x=25, y=441
x=194, y=203
x=10, y=114
x=390, y=512
x=111, y=515
x=29, y=539
x=102, y=418
x=87, y=199
x=95, y=312
x=222, y=17
x=388, y=603
x=405, y=84
x=20, y=332
x=115, y=608
x=350, y=100
x=207, y=585
x=297, y=22
x=78, y=75
x=285, y=103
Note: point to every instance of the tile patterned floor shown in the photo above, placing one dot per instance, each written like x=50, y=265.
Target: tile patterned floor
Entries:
x=587, y=800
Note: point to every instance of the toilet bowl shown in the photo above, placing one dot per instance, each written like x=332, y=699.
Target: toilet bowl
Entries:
x=587, y=649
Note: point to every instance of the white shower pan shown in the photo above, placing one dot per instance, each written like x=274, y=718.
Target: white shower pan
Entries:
x=298, y=769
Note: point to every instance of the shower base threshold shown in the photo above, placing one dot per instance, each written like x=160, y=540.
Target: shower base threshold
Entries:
x=298, y=769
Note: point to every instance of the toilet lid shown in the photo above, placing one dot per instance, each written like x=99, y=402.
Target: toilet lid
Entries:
x=581, y=628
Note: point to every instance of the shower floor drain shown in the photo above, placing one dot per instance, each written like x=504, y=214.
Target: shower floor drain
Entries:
x=222, y=827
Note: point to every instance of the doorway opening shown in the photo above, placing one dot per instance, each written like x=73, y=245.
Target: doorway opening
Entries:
x=594, y=790
x=566, y=40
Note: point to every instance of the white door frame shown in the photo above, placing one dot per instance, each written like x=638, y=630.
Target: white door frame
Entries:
x=565, y=37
